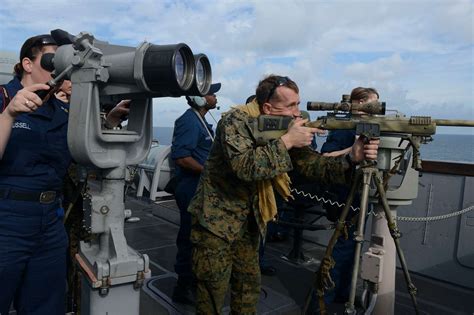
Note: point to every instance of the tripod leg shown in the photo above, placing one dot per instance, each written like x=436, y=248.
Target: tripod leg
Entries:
x=322, y=277
x=359, y=236
x=395, y=233
x=345, y=212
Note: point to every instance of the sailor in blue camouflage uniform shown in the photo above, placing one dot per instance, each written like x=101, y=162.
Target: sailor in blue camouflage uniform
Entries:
x=192, y=141
x=34, y=158
x=234, y=199
x=339, y=143
x=33, y=161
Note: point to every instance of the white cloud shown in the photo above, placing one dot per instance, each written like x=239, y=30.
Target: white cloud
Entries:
x=414, y=52
x=381, y=70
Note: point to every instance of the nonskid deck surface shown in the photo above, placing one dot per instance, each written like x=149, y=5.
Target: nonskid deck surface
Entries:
x=284, y=293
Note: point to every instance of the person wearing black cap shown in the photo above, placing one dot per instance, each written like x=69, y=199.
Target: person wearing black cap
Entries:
x=191, y=144
x=33, y=162
x=34, y=158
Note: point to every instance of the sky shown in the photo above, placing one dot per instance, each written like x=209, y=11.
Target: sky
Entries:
x=419, y=54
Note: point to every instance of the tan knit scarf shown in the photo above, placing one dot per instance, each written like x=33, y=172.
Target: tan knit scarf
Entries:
x=281, y=183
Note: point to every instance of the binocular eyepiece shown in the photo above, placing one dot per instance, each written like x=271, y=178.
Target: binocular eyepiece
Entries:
x=346, y=106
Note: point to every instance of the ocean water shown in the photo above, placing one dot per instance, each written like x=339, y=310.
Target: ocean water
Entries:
x=447, y=147
x=444, y=147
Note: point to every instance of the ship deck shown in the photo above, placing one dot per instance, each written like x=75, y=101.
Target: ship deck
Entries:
x=284, y=293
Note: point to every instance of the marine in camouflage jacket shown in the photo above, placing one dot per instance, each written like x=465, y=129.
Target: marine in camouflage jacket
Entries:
x=227, y=191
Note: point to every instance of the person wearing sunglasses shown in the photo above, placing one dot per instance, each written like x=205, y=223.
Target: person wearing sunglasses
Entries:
x=234, y=200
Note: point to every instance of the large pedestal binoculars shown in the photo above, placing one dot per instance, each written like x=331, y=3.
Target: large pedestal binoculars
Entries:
x=160, y=70
x=103, y=74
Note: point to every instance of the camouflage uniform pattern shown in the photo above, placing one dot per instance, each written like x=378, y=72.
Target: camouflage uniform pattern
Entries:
x=227, y=195
x=214, y=263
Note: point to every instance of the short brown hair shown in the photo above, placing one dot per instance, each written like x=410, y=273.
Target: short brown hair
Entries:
x=266, y=88
x=362, y=93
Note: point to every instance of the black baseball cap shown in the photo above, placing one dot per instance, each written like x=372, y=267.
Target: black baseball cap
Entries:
x=214, y=88
x=35, y=41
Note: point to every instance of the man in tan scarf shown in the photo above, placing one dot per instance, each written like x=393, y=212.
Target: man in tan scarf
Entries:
x=234, y=199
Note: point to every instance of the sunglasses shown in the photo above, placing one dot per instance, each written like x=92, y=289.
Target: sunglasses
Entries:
x=281, y=81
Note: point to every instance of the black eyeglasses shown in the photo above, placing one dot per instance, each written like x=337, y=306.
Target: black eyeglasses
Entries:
x=36, y=41
x=279, y=82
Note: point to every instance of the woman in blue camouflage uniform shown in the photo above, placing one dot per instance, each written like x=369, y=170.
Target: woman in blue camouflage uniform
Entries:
x=33, y=161
x=34, y=157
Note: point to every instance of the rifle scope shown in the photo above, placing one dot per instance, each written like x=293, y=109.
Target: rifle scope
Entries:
x=369, y=108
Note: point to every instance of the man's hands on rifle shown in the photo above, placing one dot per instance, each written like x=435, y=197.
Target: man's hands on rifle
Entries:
x=364, y=150
x=298, y=135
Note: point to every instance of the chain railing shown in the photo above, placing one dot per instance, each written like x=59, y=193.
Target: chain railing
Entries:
x=371, y=212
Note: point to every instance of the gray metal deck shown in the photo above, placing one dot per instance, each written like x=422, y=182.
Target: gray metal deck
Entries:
x=284, y=293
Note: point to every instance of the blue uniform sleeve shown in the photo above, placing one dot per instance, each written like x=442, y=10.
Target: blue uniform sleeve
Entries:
x=314, y=144
x=338, y=140
x=185, y=137
x=1, y=100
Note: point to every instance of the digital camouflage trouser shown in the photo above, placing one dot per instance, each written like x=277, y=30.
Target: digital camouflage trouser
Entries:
x=216, y=263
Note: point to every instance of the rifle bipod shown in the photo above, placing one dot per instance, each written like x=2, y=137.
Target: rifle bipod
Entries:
x=323, y=281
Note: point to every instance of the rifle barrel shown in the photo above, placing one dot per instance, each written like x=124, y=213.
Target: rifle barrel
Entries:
x=454, y=122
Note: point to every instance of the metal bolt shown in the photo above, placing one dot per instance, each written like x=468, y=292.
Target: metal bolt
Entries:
x=104, y=209
x=103, y=292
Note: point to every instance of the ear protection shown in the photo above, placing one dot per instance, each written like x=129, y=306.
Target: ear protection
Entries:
x=199, y=101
